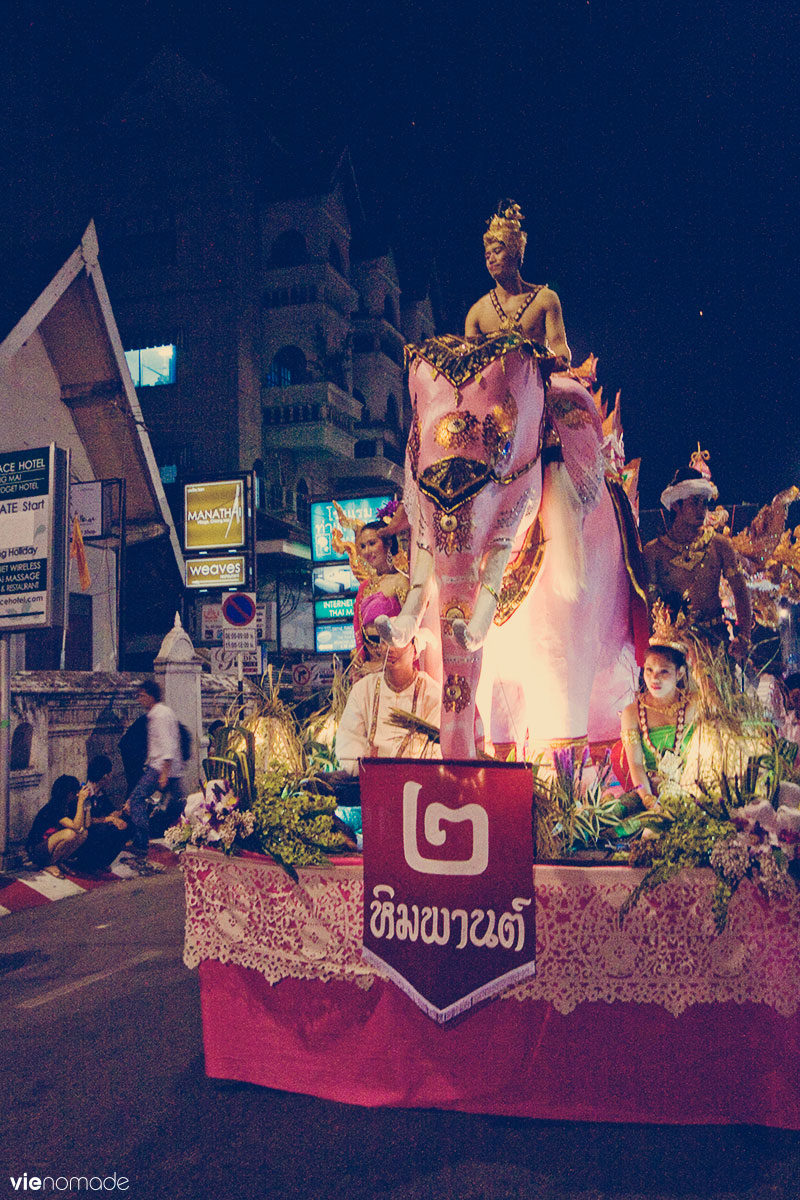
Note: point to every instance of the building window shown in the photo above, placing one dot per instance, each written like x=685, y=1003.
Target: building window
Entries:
x=288, y=367
x=289, y=250
x=392, y=412
x=152, y=366
x=303, y=502
x=362, y=400
x=363, y=343
x=389, y=311
x=335, y=257
x=21, y=744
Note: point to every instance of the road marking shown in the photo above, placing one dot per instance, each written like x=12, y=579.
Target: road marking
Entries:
x=53, y=887
x=77, y=984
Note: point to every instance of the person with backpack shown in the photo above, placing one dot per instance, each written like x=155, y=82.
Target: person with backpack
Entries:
x=162, y=770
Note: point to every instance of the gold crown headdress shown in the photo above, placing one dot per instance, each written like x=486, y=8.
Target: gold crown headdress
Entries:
x=668, y=632
x=505, y=227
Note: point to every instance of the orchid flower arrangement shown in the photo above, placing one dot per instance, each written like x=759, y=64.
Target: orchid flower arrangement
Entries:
x=213, y=818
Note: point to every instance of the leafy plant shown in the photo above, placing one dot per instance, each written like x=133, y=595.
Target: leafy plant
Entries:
x=706, y=833
x=293, y=822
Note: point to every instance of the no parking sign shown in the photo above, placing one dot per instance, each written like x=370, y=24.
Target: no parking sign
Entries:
x=239, y=631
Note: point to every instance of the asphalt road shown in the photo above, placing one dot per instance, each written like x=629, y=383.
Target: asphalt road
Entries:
x=101, y=1071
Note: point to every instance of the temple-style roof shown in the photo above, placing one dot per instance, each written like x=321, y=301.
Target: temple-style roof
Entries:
x=64, y=379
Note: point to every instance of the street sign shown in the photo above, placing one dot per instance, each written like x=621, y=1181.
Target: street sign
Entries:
x=239, y=630
x=86, y=503
x=211, y=622
x=211, y=617
x=33, y=538
x=224, y=662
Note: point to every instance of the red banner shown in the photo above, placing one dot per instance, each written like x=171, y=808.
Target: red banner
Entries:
x=448, y=878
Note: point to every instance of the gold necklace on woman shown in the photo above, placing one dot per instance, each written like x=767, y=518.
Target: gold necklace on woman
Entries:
x=644, y=728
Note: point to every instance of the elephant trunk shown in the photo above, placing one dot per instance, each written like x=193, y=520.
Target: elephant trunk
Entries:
x=561, y=515
x=462, y=672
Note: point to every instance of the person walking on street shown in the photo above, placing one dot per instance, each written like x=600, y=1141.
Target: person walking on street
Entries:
x=162, y=769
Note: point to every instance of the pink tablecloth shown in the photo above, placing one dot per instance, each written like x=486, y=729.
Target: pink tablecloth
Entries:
x=663, y=1021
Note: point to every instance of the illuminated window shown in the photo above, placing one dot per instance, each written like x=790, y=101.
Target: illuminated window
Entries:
x=151, y=366
x=288, y=366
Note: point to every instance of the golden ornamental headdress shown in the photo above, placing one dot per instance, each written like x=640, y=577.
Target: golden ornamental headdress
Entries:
x=699, y=461
x=505, y=227
x=668, y=632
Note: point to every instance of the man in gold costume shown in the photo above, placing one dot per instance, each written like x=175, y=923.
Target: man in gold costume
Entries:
x=529, y=308
x=685, y=565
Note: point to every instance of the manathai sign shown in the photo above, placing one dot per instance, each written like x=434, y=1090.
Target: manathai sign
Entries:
x=214, y=516
x=448, y=879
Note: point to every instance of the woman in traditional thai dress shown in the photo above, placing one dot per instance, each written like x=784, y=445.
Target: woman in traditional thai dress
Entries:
x=657, y=727
x=381, y=593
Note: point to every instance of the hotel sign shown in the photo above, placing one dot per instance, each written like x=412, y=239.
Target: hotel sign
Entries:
x=33, y=538
x=214, y=515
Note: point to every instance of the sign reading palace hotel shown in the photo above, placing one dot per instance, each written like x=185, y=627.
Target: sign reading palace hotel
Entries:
x=33, y=527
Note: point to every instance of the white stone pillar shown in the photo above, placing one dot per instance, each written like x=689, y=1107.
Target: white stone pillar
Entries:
x=178, y=670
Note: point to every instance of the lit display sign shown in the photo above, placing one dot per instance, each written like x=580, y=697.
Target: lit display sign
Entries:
x=334, y=608
x=333, y=580
x=331, y=639
x=214, y=515
x=325, y=519
x=229, y=571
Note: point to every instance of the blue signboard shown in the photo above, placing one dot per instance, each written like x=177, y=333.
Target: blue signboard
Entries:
x=325, y=519
x=334, y=638
x=334, y=608
x=336, y=579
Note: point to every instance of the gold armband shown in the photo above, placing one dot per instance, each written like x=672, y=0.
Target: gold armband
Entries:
x=631, y=737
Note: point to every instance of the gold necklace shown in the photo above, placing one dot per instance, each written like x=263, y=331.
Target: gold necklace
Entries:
x=404, y=686
x=690, y=554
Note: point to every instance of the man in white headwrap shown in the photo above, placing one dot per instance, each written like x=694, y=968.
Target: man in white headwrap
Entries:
x=686, y=564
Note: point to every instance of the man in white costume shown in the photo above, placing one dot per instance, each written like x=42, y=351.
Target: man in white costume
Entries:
x=365, y=729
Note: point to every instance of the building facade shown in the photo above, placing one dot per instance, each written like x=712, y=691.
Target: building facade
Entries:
x=259, y=335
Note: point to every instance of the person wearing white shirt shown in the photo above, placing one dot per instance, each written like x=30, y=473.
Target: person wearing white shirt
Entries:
x=366, y=729
x=162, y=766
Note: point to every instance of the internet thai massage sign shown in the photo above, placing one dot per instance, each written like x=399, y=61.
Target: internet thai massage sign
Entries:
x=448, y=879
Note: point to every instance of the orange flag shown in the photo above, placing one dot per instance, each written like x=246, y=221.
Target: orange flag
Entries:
x=77, y=551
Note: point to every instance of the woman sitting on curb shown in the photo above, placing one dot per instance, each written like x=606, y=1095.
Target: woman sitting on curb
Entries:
x=60, y=827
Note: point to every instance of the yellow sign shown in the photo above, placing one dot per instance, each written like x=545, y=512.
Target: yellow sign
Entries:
x=214, y=515
x=224, y=572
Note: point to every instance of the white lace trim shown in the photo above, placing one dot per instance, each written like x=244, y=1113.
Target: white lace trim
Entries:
x=248, y=912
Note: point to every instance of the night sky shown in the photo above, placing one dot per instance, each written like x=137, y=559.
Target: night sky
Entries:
x=653, y=149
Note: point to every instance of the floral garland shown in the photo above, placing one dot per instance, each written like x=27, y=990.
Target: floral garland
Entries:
x=644, y=728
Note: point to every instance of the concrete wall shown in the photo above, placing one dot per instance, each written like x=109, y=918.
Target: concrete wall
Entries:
x=77, y=714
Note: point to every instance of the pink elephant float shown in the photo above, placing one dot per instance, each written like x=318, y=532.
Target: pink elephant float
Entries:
x=519, y=540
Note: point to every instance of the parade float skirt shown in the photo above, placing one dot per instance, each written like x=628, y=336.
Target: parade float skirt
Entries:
x=662, y=1021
